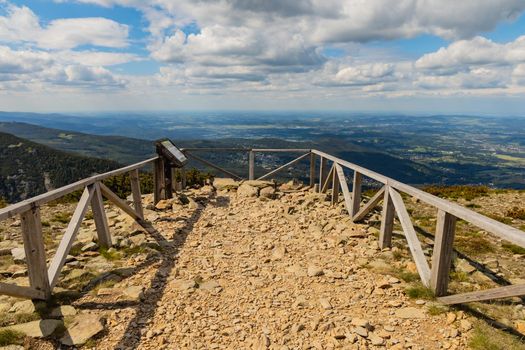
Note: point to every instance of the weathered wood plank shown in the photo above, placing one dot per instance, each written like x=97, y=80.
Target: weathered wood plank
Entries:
x=442, y=256
x=356, y=193
x=504, y=231
x=387, y=221
x=335, y=186
x=35, y=250
x=493, y=293
x=39, y=200
x=21, y=291
x=168, y=180
x=411, y=236
x=344, y=187
x=69, y=235
x=372, y=202
x=291, y=150
x=159, y=181
x=323, y=169
x=251, y=165
x=312, y=169
x=282, y=167
x=99, y=215
x=328, y=181
x=204, y=161
x=136, y=193
x=110, y=195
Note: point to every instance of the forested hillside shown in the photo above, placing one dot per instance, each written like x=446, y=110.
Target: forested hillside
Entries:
x=28, y=168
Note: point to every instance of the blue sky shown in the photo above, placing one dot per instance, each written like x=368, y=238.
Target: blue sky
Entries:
x=84, y=55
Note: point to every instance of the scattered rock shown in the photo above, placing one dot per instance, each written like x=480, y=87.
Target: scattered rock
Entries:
x=63, y=310
x=245, y=190
x=19, y=255
x=325, y=303
x=225, y=184
x=410, y=313
x=23, y=307
x=83, y=328
x=36, y=329
x=314, y=271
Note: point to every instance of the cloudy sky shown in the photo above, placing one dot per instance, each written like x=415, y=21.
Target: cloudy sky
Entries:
x=420, y=56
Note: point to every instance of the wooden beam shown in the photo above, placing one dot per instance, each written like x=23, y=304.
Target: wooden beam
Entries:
x=369, y=205
x=282, y=167
x=323, y=169
x=251, y=165
x=158, y=180
x=344, y=186
x=99, y=215
x=335, y=187
x=27, y=204
x=136, y=193
x=387, y=221
x=21, y=291
x=411, y=236
x=328, y=181
x=312, y=169
x=69, y=236
x=35, y=250
x=204, y=161
x=503, y=231
x=119, y=202
x=442, y=256
x=356, y=193
x=168, y=180
x=493, y=293
x=285, y=150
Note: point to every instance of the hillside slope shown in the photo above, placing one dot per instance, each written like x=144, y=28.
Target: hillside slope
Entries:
x=28, y=168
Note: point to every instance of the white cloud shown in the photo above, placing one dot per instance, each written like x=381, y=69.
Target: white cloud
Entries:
x=20, y=24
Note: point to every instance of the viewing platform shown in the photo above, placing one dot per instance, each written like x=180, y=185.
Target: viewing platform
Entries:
x=250, y=262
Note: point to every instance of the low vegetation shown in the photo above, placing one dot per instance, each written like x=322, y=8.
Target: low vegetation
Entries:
x=418, y=291
x=10, y=337
x=516, y=213
x=513, y=248
x=455, y=192
x=489, y=338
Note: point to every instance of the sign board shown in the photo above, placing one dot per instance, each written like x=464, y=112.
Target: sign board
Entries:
x=171, y=152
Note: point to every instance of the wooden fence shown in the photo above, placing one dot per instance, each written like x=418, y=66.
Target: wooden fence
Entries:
x=329, y=175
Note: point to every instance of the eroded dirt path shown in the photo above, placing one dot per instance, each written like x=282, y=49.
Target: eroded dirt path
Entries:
x=292, y=273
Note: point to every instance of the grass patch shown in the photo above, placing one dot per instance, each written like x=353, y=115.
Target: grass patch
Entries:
x=485, y=337
x=474, y=244
x=473, y=206
x=459, y=276
x=502, y=219
x=456, y=192
x=61, y=217
x=46, y=224
x=516, y=213
x=419, y=291
x=134, y=250
x=9, y=319
x=435, y=310
x=407, y=276
x=9, y=337
x=513, y=248
x=110, y=254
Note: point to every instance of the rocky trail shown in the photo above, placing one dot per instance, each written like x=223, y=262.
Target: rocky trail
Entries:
x=246, y=268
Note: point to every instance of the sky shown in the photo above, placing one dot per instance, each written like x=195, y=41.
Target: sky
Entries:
x=412, y=56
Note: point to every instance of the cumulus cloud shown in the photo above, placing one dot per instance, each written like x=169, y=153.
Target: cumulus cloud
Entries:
x=20, y=24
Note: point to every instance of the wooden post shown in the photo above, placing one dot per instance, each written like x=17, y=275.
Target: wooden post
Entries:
x=312, y=170
x=136, y=193
x=101, y=220
x=387, y=221
x=168, y=180
x=251, y=165
x=442, y=256
x=356, y=193
x=35, y=250
x=159, y=180
x=323, y=170
x=183, y=177
x=335, y=187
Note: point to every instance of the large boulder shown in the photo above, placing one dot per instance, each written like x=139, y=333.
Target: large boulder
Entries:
x=225, y=184
x=82, y=329
x=36, y=329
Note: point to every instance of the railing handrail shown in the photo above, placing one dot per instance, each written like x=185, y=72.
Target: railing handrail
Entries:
x=43, y=198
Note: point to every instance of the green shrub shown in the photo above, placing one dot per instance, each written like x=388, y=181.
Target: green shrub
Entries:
x=516, y=213
x=9, y=337
x=419, y=291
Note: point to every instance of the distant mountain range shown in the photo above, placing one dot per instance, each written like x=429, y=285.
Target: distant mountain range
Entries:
x=28, y=168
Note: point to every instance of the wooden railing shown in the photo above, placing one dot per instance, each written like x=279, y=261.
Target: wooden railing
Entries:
x=330, y=175
x=42, y=279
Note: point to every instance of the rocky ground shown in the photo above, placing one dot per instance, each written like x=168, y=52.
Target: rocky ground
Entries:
x=253, y=266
